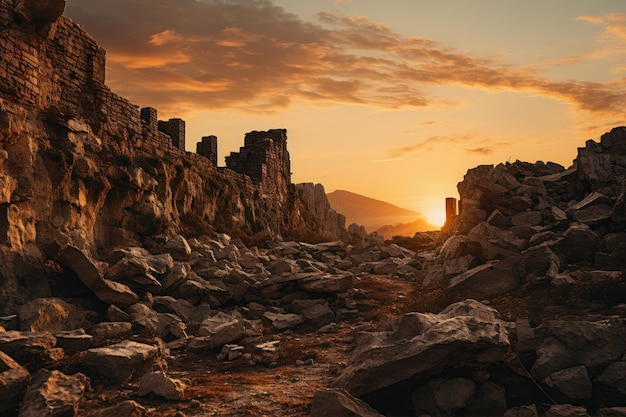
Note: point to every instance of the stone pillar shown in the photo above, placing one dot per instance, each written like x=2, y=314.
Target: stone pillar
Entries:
x=208, y=148
x=150, y=119
x=451, y=212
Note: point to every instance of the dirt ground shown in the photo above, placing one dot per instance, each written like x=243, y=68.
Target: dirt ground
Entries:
x=307, y=360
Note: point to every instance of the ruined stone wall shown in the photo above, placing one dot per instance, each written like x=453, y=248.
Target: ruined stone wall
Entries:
x=105, y=170
x=208, y=148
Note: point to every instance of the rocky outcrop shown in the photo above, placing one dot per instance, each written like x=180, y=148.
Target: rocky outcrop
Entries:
x=522, y=226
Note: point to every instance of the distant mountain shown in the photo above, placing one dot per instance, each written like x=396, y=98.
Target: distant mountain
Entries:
x=405, y=229
x=376, y=214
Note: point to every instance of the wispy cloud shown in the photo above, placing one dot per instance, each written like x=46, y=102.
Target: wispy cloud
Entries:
x=255, y=56
x=482, y=146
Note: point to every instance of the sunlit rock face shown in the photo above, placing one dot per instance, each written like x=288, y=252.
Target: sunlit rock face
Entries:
x=521, y=191
x=79, y=165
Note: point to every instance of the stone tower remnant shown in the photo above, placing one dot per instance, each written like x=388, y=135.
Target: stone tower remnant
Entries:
x=208, y=148
x=264, y=156
x=451, y=210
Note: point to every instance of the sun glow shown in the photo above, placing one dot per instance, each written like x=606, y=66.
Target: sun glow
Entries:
x=436, y=217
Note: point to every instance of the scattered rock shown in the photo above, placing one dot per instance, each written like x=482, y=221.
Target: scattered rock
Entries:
x=14, y=380
x=280, y=322
x=158, y=383
x=339, y=403
x=52, y=393
x=121, y=362
x=128, y=408
x=106, y=290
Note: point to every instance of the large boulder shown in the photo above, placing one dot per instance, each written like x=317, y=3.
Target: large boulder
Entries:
x=52, y=314
x=329, y=402
x=122, y=362
x=420, y=345
x=443, y=397
x=14, y=380
x=107, y=291
x=160, y=384
x=570, y=385
x=54, y=394
x=612, y=384
x=220, y=329
x=33, y=350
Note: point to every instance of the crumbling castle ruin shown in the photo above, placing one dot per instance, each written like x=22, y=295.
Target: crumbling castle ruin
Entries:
x=83, y=166
x=52, y=64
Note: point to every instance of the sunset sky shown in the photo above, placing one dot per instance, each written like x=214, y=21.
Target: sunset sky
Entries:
x=391, y=99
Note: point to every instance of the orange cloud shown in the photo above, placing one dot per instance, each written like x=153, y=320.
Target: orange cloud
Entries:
x=483, y=146
x=254, y=55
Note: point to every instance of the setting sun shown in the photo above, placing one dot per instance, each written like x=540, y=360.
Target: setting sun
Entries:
x=436, y=217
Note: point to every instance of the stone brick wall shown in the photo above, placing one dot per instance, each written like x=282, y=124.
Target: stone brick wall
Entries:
x=61, y=66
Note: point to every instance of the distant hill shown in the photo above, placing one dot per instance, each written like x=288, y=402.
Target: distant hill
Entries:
x=376, y=214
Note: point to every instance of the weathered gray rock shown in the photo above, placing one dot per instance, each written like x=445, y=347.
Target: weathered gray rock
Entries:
x=106, y=290
x=52, y=314
x=128, y=408
x=157, y=264
x=522, y=411
x=167, y=304
x=33, y=350
x=170, y=327
x=136, y=273
x=568, y=344
x=178, y=247
x=52, y=393
x=122, y=362
x=115, y=313
x=231, y=352
x=499, y=277
x=73, y=341
x=110, y=332
x=420, y=345
x=220, y=329
x=339, y=403
x=175, y=276
x=443, y=397
x=611, y=412
x=197, y=290
x=327, y=283
x=316, y=311
x=14, y=380
x=145, y=321
x=612, y=384
x=579, y=243
x=283, y=266
x=567, y=410
x=526, y=218
x=160, y=384
x=570, y=385
x=489, y=400
x=281, y=322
